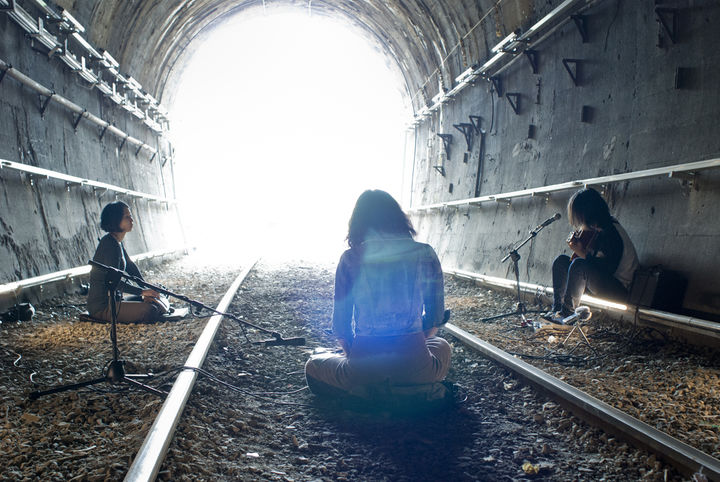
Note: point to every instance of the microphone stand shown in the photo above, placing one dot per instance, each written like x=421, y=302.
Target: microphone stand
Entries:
x=116, y=370
x=515, y=257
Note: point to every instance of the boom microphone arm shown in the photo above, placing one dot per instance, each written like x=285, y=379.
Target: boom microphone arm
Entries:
x=277, y=340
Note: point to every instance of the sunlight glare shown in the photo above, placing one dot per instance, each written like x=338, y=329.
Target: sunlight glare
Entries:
x=279, y=123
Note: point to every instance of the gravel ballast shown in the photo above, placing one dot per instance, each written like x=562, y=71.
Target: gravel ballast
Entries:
x=250, y=416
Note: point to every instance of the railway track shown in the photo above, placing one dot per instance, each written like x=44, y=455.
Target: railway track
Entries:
x=684, y=457
x=299, y=443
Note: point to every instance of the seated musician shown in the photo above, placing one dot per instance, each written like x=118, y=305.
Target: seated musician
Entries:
x=143, y=304
x=388, y=305
x=603, y=261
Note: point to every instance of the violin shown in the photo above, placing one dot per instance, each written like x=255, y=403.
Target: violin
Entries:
x=583, y=237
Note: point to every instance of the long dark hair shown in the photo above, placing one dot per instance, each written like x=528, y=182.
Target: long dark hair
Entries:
x=111, y=216
x=588, y=207
x=378, y=211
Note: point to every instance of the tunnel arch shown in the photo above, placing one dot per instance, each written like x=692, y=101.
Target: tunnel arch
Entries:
x=430, y=43
x=646, y=98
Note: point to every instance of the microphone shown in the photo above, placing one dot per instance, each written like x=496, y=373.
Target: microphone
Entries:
x=296, y=341
x=549, y=221
x=582, y=313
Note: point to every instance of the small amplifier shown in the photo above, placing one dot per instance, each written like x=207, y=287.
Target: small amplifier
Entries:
x=658, y=288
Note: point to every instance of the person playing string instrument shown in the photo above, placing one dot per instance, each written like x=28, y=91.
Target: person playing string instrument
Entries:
x=603, y=261
x=142, y=305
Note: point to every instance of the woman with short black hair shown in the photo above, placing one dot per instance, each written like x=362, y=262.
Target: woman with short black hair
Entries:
x=603, y=261
x=143, y=305
x=388, y=305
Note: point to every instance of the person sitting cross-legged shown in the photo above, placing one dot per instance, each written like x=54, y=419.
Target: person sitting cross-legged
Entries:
x=388, y=306
x=141, y=305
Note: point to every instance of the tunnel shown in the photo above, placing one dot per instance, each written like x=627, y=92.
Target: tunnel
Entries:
x=483, y=119
x=502, y=97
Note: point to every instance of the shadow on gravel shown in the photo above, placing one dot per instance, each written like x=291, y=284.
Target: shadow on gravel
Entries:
x=404, y=443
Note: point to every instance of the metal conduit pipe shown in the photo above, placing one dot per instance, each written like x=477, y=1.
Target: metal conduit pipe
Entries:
x=526, y=42
x=71, y=106
x=679, y=319
x=669, y=171
x=696, y=325
x=16, y=286
x=72, y=180
x=148, y=460
x=528, y=36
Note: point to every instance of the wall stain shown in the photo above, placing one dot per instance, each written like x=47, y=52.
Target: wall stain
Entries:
x=526, y=151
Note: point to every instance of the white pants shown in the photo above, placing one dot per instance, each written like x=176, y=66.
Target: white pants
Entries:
x=402, y=360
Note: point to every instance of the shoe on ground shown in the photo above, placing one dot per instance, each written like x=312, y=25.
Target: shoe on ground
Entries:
x=548, y=315
x=562, y=315
x=556, y=317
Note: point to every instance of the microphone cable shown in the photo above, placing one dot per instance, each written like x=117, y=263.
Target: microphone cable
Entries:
x=258, y=395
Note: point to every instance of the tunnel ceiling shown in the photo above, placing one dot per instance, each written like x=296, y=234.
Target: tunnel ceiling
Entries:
x=431, y=42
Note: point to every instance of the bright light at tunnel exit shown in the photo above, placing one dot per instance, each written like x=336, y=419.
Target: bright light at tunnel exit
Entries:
x=280, y=121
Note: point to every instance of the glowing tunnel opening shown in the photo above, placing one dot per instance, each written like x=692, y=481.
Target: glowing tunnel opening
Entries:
x=279, y=122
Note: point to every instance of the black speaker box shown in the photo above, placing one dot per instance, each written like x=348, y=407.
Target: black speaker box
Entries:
x=658, y=288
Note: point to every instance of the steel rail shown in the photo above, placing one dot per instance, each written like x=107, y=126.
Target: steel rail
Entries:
x=151, y=455
x=686, y=458
x=689, y=323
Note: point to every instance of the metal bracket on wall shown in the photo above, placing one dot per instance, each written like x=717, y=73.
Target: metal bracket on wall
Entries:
x=514, y=101
x=574, y=71
x=102, y=132
x=532, y=56
x=440, y=169
x=76, y=122
x=689, y=177
x=31, y=178
x=447, y=141
x=671, y=28
x=468, y=130
x=96, y=189
x=497, y=83
x=139, y=149
x=2, y=74
x=44, y=103
x=544, y=195
x=122, y=144
x=581, y=23
x=601, y=188
x=475, y=120
x=504, y=201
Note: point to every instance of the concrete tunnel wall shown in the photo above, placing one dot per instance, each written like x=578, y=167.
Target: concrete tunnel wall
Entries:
x=45, y=226
x=638, y=120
